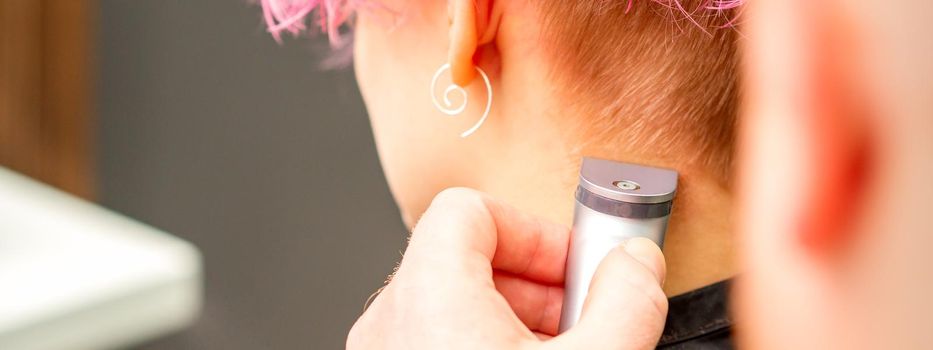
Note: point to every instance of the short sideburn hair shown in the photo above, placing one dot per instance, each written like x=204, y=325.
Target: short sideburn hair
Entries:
x=659, y=75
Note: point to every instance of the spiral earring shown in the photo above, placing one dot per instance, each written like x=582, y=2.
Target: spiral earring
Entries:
x=448, y=107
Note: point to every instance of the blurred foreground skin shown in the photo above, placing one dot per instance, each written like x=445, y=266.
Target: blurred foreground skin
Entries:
x=478, y=274
x=836, y=165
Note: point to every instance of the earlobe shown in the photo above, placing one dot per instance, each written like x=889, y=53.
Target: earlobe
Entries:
x=463, y=40
x=469, y=22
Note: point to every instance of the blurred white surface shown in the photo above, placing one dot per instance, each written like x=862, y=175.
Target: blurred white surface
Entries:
x=76, y=276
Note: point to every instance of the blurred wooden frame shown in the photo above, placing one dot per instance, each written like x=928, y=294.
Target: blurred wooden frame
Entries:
x=46, y=91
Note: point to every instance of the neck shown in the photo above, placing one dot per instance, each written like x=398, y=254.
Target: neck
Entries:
x=698, y=246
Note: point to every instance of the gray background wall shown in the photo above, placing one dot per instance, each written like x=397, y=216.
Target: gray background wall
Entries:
x=210, y=130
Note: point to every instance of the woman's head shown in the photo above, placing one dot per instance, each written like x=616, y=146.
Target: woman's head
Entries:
x=649, y=81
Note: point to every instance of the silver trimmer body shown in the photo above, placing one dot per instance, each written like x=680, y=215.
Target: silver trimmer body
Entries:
x=614, y=202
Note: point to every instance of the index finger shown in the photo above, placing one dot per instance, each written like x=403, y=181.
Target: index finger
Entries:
x=462, y=223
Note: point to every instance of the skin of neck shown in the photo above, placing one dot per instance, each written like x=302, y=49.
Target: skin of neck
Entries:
x=699, y=245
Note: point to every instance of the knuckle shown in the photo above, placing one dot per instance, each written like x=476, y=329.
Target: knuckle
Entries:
x=654, y=296
x=455, y=196
x=457, y=217
x=354, y=339
x=647, y=300
x=373, y=319
x=453, y=205
x=658, y=298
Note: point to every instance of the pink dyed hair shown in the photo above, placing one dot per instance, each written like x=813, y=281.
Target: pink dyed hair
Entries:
x=290, y=15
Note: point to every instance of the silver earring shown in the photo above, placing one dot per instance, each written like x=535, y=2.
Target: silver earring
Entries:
x=448, y=107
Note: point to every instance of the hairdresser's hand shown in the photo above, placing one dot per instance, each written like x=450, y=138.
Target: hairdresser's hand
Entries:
x=480, y=275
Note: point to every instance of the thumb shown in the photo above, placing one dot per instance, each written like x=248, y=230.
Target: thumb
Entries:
x=625, y=307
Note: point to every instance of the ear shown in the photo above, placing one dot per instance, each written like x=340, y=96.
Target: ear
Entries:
x=836, y=114
x=471, y=25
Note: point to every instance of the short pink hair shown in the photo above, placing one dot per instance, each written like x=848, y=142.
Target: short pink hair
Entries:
x=290, y=15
